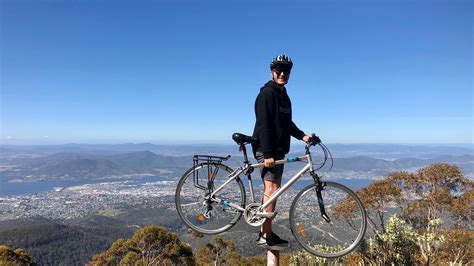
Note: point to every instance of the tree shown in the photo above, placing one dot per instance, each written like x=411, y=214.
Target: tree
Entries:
x=379, y=196
x=429, y=240
x=439, y=191
x=305, y=258
x=220, y=252
x=430, y=192
x=462, y=208
x=150, y=245
x=354, y=258
x=434, y=192
x=394, y=246
x=14, y=257
x=458, y=247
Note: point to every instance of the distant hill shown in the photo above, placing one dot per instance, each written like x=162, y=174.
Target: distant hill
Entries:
x=52, y=243
x=364, y=163
x=80, y=166
x=397, y=151
x=379, y=151
x=109, y=149
x=74, y=166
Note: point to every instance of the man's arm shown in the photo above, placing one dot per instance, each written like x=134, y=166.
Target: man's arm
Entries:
x=297, y=133
x=264, y=112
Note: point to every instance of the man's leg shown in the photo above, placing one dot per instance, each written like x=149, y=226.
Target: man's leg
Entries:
x=272, y=182
x=269, y=188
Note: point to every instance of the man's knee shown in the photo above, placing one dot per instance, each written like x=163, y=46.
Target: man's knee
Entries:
x=271, y=186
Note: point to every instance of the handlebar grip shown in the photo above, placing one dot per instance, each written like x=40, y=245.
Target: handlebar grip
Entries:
x=315, y=139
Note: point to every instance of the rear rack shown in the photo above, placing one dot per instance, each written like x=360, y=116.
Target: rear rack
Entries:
x=211, y=170
x=209, y=159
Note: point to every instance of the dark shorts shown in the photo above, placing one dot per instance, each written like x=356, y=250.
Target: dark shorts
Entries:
x=273, y=174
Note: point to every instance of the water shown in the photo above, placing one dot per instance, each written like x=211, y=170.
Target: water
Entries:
x=29, y=188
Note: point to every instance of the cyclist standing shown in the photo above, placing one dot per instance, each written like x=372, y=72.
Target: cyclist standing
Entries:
x=273, y=129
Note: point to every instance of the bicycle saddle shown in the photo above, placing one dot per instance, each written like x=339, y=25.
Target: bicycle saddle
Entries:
x=242, y=139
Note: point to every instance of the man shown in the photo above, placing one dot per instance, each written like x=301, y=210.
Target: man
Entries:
x=273, y=130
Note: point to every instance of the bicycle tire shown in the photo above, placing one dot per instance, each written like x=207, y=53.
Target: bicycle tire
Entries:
x=340, y=236
x=191, y=205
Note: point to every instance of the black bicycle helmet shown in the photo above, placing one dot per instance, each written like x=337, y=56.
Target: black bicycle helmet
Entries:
x=281, y=60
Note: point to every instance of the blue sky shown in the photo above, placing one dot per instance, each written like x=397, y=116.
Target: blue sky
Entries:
x=90, y=71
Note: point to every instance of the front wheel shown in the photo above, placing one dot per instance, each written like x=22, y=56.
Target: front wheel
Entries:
x=199, y=211
x=332, y=235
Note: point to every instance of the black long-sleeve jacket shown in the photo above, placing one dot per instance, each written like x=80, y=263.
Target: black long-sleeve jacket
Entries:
x=274, y=126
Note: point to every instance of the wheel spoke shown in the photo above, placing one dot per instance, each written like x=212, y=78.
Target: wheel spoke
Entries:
x=320, y=238
x=193, y=206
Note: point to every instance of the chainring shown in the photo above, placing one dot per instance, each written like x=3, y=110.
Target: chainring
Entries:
x=250, y=215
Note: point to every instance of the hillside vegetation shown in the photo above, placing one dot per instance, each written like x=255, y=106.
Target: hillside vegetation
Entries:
x=423, y=217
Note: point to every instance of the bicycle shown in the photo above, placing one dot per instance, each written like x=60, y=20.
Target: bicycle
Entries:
x=326, y=218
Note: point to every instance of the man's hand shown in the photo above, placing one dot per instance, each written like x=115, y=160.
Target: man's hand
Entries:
x=269, y=163
x=306, y=138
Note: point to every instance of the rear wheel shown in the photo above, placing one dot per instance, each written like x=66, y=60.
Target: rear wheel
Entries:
x=335, y=236
x=201, y=212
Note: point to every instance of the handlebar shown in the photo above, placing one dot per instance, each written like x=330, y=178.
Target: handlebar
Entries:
x=315, y=140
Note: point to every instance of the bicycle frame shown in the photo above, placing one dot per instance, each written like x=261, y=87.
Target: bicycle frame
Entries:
x=249, y=167
x=339, y=234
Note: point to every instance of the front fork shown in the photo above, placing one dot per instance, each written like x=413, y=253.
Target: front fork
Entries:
x=319, y=187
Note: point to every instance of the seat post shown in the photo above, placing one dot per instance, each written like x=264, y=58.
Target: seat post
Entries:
x=244, y=150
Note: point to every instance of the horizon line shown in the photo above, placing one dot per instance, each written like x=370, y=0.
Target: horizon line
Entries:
x=228, y=144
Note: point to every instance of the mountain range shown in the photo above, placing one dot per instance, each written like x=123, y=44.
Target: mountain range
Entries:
x=378, y=151
x=79, y=166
